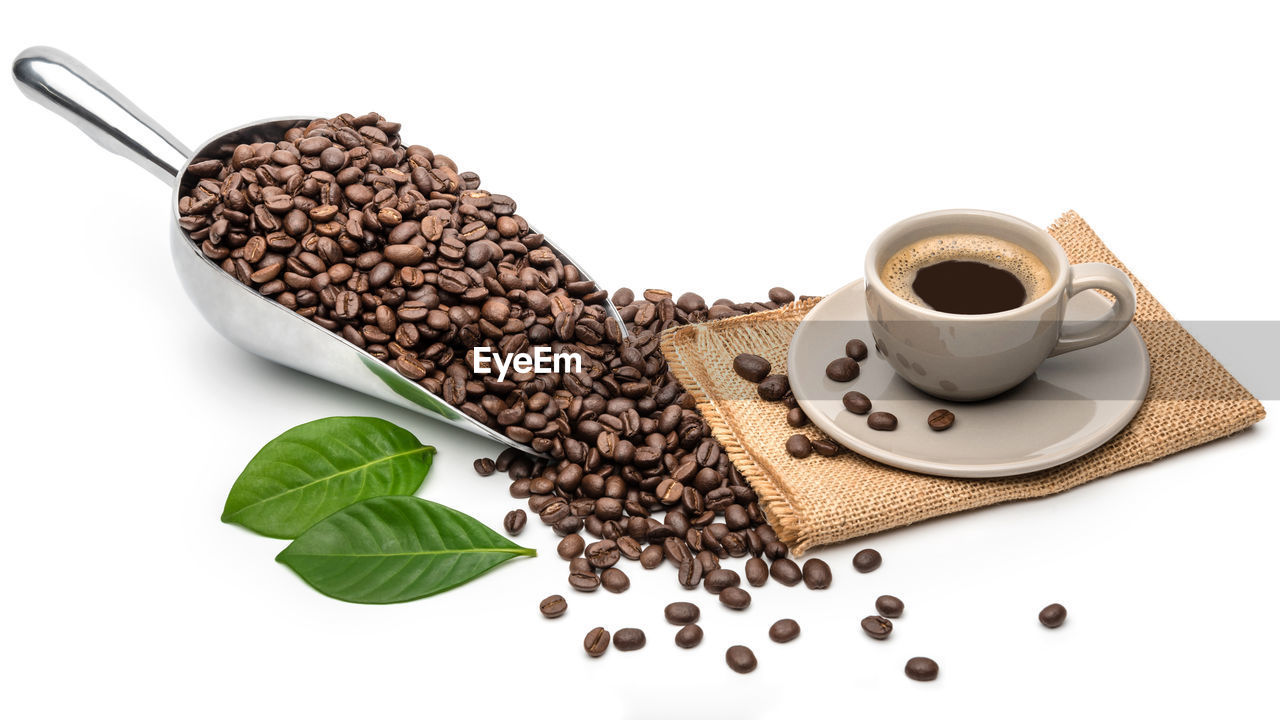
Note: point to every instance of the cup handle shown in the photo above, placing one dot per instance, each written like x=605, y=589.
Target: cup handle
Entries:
x=1101, y=276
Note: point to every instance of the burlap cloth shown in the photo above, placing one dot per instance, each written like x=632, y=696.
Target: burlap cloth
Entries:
x=818, y=500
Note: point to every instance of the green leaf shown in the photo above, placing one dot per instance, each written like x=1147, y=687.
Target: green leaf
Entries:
x=320, y=467
x=393, y=549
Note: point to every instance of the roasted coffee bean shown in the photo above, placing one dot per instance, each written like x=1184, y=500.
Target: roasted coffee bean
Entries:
x=843, y=369
x=628, y=639
x=774, y=550
x=856, y=403
x=554, y=606
x=651, y=557
x=514, y=522
x=817, y=574
x=796, y=418
x=856, y=349
x=1053, y=616
x=941, y=419
x=889, y=606
x=570, y=547
x=922, y=668
x=799, y=446
x=717, y=580
x=596, y=642
x=866, y=560
x=882, y=421
x=603, y=554
x=735, y=597
x=614, y=580
x=757, y=572
x=690, y=574
x=740, y=659
x=483, y=466
x=689, y=636
x=629, y=547
x=826, y=447
x=784, y=631
x=773, y=388
x=584, y=580
x=785, y=571
x=682, y=613
x=781, y=295
x=751, y=368
x=876, y=627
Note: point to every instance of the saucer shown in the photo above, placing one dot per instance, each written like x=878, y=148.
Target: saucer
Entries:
x=1071, y=405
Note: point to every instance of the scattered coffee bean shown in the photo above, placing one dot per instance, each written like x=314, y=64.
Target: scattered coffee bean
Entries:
x=785, y=571
x=774, y=550
x=856, y=403
x=628, y=639
x=882, y=421
x=682, y=613
x=1053, y=615
x=740, y=659
x=941, y=419
x=596, y=642
x=817, y=574
x=856, y=349
x=718, y=580
x=689, y=636
x=514, y=522
x=866, y=560
x=781, y=295
x=554, y=606
x=582, y=577
x=877, y=627
x=799, y=446
x=751, y=368
x=773, y=388
x=570, y=546
x=889, y=606
x=826, y=447
x=843, y=369
x=784, y=631
x=651, y=557
x=603, y=554
x=922, y=668
x=483, y=467
x=690, y=573
x=757, y=572
x=796, y=418
x=614, y=580
x=735, y=598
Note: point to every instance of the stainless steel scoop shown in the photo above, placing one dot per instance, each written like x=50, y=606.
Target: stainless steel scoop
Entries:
x=258, y=324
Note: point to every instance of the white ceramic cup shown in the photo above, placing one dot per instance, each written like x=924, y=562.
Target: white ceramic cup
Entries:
x=973, y=357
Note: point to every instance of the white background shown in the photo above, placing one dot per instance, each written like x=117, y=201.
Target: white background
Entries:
x=758, y=144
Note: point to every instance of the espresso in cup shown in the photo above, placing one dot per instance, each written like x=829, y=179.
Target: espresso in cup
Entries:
x=966, y=274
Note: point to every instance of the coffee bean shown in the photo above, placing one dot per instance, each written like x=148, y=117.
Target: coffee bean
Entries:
x=514, y=522
x=889, y=606
x=785, y=571
x=570, y=547
x=796, y=418
x=751, y=368
x=717, y=580
x=651, y=557
x=596, y=642
x=483, y=466
x=856, y=403
x=826, y=447
x=682, y=613
x=817, y=574
x=856, y=349
x=876, y=627
x=690, y=574
x=583, y=580
x=781, y=295
x=603, y=554
x=866, y=560
x=882, y=421
x=628, y=639
x=614, y=580
x=740, y=659
x=941, y=419
x=842, y=369
x=922, y=668
x=757, y=572
x=689, y=636
x=553, y=606
x=799, y=446
x=784, y=631
x=773, y=387
x=1053, y=616
x=735, y=598
x=774, y=550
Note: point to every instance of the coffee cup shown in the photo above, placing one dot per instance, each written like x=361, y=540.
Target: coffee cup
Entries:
x=987, y=343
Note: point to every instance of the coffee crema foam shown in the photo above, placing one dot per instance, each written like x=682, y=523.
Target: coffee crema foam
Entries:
x=899, y=272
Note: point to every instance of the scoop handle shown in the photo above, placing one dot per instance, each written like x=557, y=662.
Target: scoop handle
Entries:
x=64, y=85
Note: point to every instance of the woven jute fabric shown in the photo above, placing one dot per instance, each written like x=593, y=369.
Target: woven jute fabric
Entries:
x=819, y=500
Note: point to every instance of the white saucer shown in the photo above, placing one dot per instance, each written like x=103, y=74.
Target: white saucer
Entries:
x=1071, y=405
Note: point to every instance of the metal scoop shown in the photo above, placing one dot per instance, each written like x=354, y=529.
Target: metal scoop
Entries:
x=258, y=324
